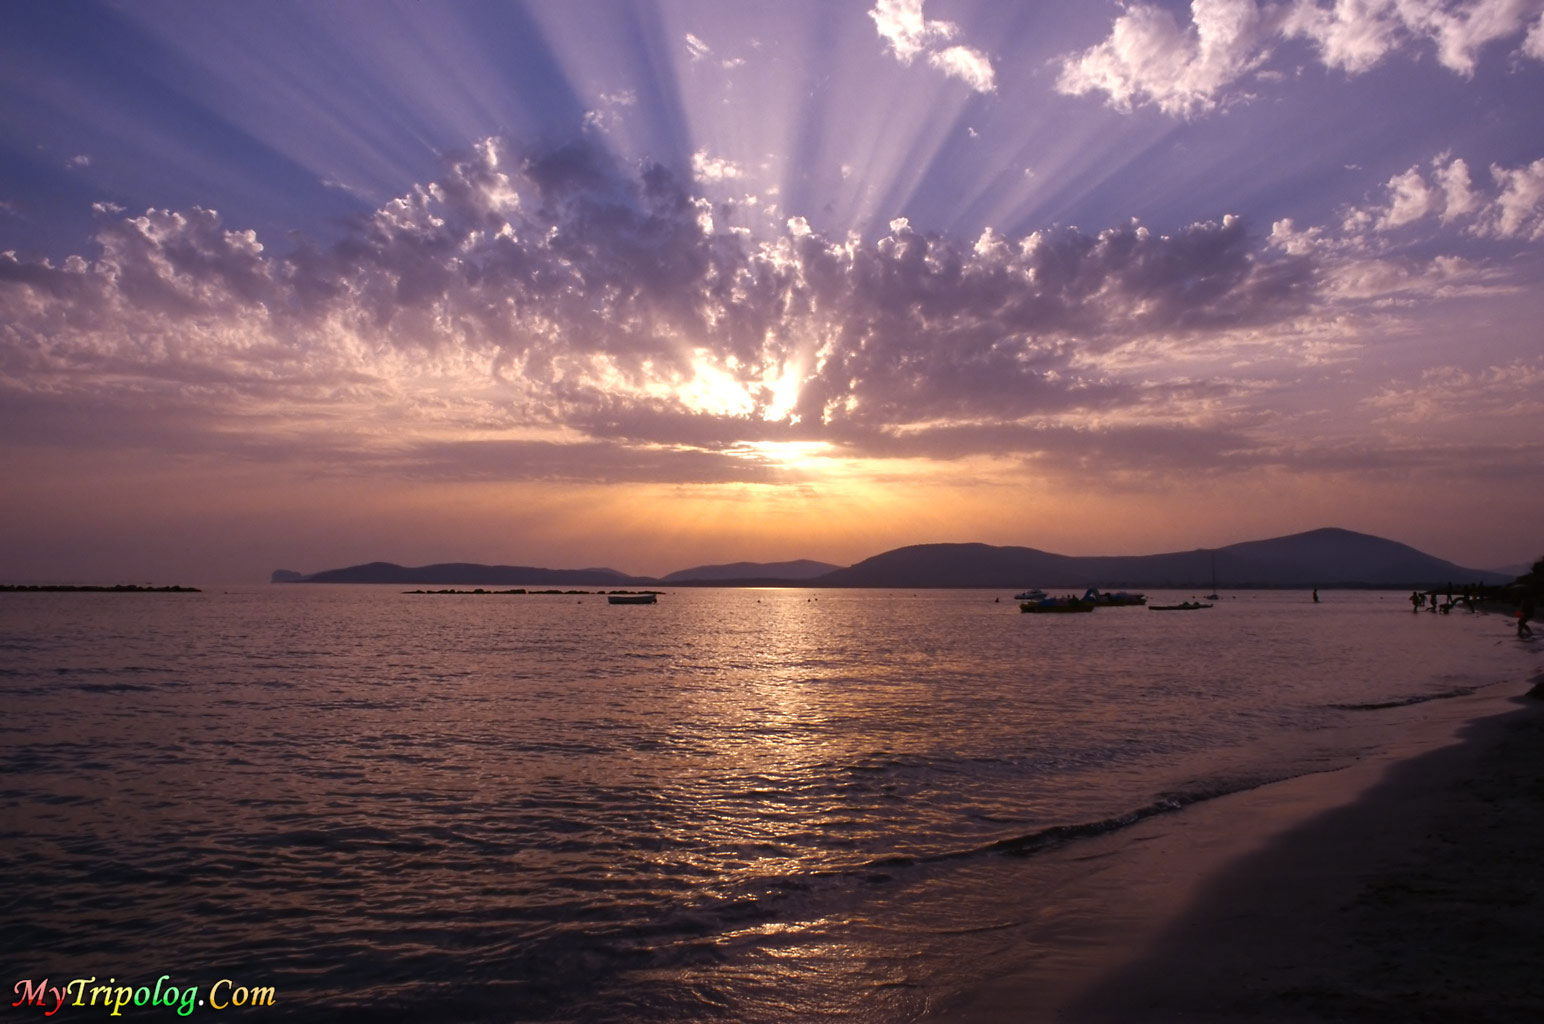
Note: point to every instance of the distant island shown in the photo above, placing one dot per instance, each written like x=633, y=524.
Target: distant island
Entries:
x=1328, y=557
x=459, y=572
x=68, y=588
x=523, y=592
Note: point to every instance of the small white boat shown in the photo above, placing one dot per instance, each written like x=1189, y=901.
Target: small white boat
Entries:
x=1031, y=595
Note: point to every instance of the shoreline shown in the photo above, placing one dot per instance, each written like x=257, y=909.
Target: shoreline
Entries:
x=1407, y=886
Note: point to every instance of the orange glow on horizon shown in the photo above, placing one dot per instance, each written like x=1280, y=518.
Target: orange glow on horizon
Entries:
x=190, y=519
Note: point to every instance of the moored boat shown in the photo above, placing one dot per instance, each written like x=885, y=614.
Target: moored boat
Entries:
x=630, y=598
x=1183, y=606
x=1031, y=595
x=1115, y=599
x=1056, y=605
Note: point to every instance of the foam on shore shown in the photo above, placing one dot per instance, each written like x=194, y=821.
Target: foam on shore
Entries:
x=1407, y=886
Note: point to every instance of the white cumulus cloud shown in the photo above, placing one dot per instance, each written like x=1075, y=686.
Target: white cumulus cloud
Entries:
x=908, y=32
x=1533, y=46
x=713, y=168
x=1410, y=199
x=1150, y=57
x=1518, y=211
x=1458, y=195
x=1444, y=190
x=970, y=66
x=1354, y=35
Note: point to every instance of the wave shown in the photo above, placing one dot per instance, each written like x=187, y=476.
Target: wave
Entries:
x=812, y=892
x=1403, y=702
x=112, y=687
x=1053, y=836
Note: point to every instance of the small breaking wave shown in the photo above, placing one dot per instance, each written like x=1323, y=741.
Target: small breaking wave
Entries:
x=1404, y=702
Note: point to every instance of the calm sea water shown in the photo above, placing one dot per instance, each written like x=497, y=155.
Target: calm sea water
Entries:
x=735, y=804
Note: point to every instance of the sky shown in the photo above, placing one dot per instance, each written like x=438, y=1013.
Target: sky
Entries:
x=656, y=284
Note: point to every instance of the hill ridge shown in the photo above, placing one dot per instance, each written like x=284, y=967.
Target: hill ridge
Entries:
x=1323, y=557
x=1328, y=556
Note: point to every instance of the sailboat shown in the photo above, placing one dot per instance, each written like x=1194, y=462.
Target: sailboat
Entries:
x=1213, y=595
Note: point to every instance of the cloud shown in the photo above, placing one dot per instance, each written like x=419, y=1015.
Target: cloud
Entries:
x=1515, y=211
x=1458, y=196
x=1411, y=199
x=78, y=160
x=696, y=49
x=1447, y=396
x=1356, y=36
x=970, y=66
x=606, y=115
x=337, y=184
x=524, y=306
x=904, y=29
x=1286, y=237
x=712, y=168
x=1533, y=46
x=908, y=33
x=1518, y=212
x=1149, y=57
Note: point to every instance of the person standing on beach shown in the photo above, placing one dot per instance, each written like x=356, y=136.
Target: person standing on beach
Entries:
x=1524, y=613
x=1315, y=595
x=1415, y=600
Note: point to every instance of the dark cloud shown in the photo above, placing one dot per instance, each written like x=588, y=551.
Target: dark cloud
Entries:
x=585, y=462
x=561, y=289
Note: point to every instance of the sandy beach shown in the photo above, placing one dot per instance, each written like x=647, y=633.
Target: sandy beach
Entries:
x=1404, y=888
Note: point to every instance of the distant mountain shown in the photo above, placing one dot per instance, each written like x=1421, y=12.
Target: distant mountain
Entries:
x=802, y=569
x=1320, y=558
x=470, y=573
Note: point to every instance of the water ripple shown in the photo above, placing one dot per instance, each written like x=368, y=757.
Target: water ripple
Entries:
x=740, y=806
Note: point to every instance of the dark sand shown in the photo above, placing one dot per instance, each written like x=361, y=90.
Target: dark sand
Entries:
x=1409, y=887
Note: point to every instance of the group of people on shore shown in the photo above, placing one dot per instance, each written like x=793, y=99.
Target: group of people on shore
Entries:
x=1470, y=597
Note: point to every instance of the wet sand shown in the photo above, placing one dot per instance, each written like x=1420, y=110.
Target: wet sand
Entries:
x=1409, y=887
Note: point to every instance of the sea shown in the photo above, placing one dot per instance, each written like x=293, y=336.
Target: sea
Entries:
x=735, y=804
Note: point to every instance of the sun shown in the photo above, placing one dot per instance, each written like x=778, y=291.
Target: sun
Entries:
x=809, y=456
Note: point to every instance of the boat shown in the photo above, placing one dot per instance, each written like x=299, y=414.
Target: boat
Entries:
x=1213, y=595
x=630, y=598
x=1183, y=606
x=1116, y=599
x=1055, y=605
x=1031, y=595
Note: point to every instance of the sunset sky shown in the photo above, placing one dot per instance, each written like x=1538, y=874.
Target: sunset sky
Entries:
x=654, y=284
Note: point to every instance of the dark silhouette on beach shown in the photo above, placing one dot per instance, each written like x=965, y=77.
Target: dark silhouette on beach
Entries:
x=1529, y=586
